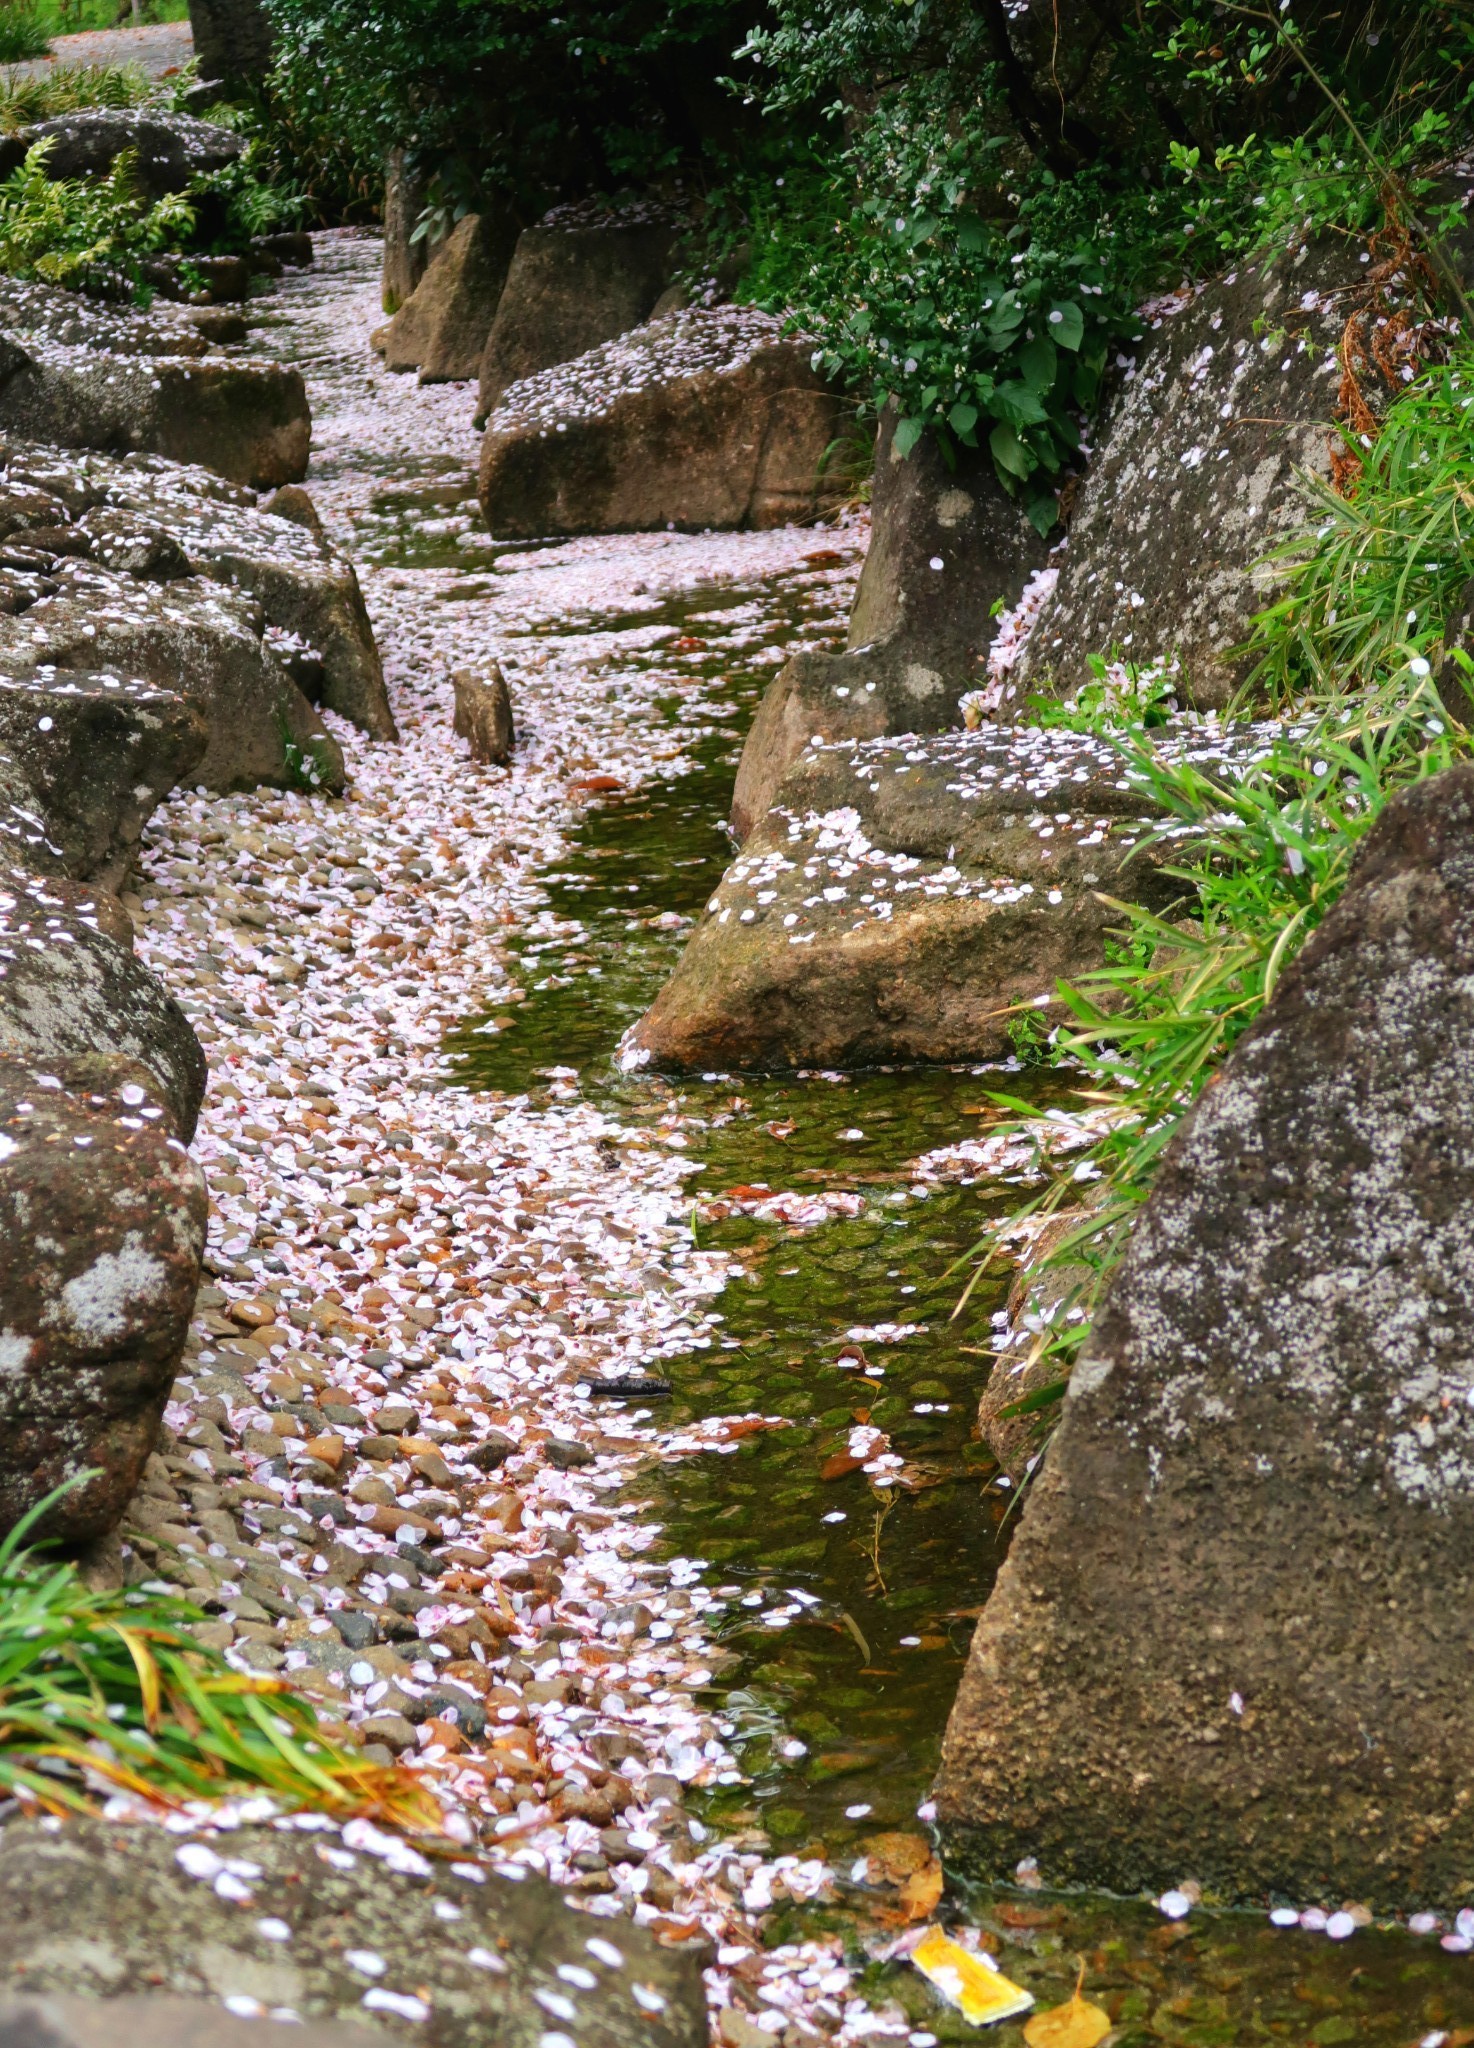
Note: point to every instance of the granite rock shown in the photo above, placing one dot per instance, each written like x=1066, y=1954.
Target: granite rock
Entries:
x=1228, y=1638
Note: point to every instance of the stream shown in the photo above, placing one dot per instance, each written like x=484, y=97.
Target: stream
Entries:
x=832, y=1234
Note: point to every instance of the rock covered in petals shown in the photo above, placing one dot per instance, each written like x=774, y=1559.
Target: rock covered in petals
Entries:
x=102, y=1213
x=276, y=552
x=582, y=276
x=97, y=754
x=1228, y=1637
x=207, y=642
x=169, y=150
x=83, y=376
x=900, y=898
x=451, y=1955
x=704, y=418
x=68, y=990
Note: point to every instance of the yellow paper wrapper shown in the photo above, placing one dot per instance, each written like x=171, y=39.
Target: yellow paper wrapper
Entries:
x=979, y=1992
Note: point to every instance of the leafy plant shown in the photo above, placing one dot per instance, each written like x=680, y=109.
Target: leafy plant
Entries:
x=1266, y=854
x=105, y=1691
x=23, y=31
x=76, y=231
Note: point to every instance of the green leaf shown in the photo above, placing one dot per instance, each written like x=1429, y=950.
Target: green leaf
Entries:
x=962, y=418
x=1009, y=452
x=1039, y=363
x=1043, y=511
x=1042, y=1397
x=1018, y=406
x=1067, y=325
x=908, y=433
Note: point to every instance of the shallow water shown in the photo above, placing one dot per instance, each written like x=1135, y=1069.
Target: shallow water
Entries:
x=850, y=1604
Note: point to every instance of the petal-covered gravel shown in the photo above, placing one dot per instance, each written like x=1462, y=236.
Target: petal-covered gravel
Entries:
x=381, y=1473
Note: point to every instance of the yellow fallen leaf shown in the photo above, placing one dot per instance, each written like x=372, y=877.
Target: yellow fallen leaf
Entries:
x=979, y=1992
x=1076, y=2025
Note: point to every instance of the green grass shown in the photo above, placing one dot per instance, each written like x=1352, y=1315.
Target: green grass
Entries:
x=108, y=1691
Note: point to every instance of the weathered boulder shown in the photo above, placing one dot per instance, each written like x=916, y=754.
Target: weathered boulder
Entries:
x=232, y=41
x=102, y=1214
x=900, y=898
x=1227, y=1640
x=945, y=546
x=405, y=257
x=582, y=276
x=1194, y=478
x=98, y=754
x=191, y=522
x=79, y=375
x=169, y=150
x=62, y=2022
x=198, y=639
x=702, y=419
x=483, y=714
x=511, y=1965
x=441, y=329
x=69, y=991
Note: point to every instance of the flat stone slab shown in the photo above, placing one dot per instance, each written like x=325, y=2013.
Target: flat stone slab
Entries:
x=901, y=897
x=698, y=419
x=1230, y=1641
x=449, y=1954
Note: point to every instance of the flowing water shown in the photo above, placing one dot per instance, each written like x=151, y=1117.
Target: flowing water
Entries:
x=850, y=1604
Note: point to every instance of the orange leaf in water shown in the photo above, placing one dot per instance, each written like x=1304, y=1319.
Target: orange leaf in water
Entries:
x=921, y=1891
x=1076, y=2025
x=841, y=1463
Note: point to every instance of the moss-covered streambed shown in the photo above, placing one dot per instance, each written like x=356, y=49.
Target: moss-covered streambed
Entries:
x=850, y=1603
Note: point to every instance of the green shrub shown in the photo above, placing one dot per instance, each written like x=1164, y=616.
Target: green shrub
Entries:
x=84, y=232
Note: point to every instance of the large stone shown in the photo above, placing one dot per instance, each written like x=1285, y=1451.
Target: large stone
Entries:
x=98, y=755
x=582, y=276
x=68, y=991
x=102, y=1214
x=232, y=41
x=276, y=552
x=196, y=638
x=108, y=1910
x=700, y=419
x=946, y=545
x=169, y=150
x=441, y=329
x=1194, y=478
x=901, y=898
x=1229, y=1641
x=79, y=375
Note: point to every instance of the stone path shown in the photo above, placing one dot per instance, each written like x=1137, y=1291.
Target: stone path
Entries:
x=158, y=48
x=384, y=1472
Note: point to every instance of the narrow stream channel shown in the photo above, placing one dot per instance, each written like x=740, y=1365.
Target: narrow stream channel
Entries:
x=849, y=1605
